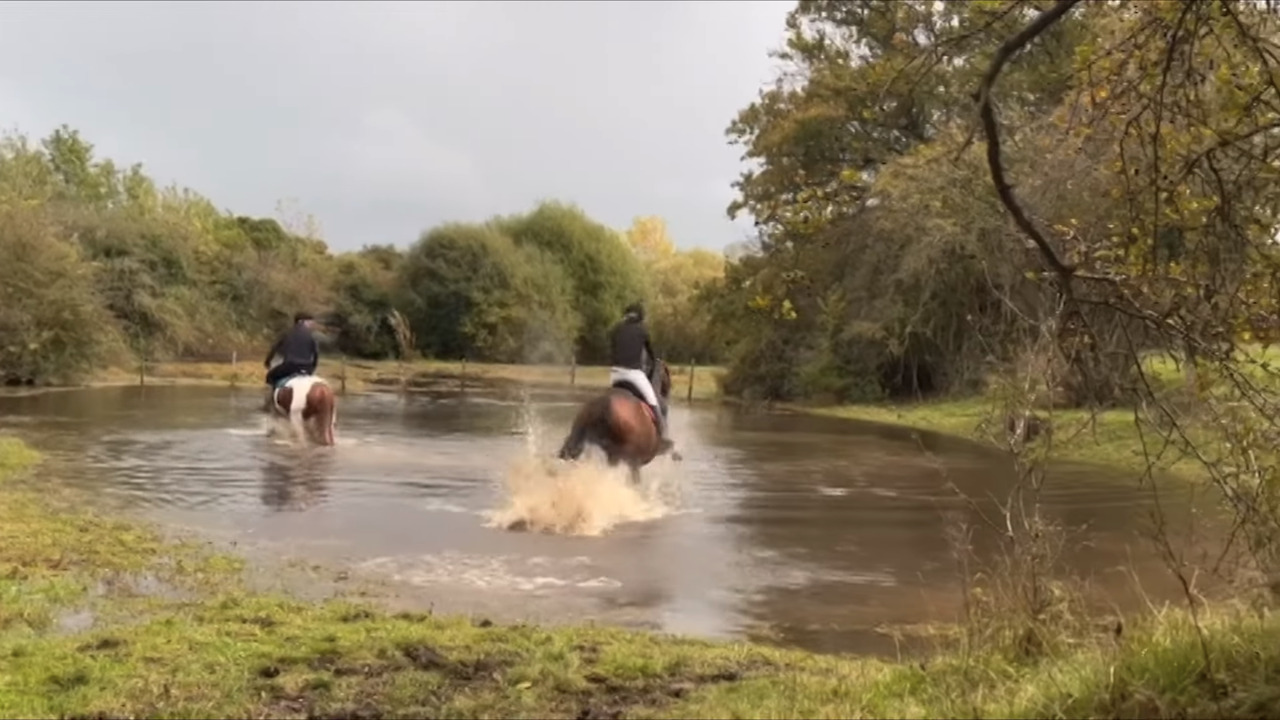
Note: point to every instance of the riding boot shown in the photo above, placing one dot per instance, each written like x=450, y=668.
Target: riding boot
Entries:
x=664, y=443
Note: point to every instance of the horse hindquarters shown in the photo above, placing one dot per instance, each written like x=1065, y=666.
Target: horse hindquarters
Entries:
x=324, y=413
x=587, y=427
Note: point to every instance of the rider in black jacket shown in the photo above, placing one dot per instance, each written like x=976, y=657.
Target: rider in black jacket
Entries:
x=298, y=350
x=629, y=343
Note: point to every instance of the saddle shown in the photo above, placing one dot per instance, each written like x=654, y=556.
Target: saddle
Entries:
x=285, y=380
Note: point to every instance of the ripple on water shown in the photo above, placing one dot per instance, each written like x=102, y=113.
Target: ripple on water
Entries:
x=491, y=572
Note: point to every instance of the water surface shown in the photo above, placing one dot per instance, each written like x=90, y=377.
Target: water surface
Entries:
x=803, y=530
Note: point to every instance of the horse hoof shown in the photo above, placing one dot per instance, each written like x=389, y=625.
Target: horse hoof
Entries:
x=676, y=456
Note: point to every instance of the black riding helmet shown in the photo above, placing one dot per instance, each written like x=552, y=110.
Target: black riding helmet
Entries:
x=635, y=309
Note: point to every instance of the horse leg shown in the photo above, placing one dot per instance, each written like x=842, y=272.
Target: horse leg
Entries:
x=635, y=474
x=333, y=420
x=574, y=443
x=299, y=427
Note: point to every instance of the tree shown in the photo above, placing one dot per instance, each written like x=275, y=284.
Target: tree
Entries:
x=866, y=83
x=602, y=272
x=51, y=323
x=476, y=293
x=672, y=281
x=367, y=291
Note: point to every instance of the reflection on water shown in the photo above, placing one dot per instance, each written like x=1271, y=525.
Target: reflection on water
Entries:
x=811, y=531
x=294, y=479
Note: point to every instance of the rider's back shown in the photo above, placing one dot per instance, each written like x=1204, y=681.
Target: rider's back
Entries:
x=628, y=343
x=298, y=346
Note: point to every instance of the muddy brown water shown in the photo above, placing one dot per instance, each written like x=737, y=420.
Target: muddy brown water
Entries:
x=805, y=531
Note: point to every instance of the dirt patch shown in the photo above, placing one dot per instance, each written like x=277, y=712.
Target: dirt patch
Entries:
x=106, y=644
x=354, y=712
x=357, y=615
x=425, y=657
x=265, y=622
x=312, y=695
x=611, y=700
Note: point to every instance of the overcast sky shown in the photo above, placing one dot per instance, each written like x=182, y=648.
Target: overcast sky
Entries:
x=383, y=119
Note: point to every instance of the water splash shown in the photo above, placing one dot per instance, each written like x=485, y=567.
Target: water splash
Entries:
x=584, y=498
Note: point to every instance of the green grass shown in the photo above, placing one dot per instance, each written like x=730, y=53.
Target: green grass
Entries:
x=207, y=646
x=1108, y=437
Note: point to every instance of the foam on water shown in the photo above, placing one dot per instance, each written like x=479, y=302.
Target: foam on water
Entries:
x=582, y=498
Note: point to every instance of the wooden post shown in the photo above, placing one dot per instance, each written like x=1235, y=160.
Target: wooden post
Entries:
x=462, y=378
x=342, y=378
x=142, y=369
x=689, y=394
x=234, y=358
x=573, y=370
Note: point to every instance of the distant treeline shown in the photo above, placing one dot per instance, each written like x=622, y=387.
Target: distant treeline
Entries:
x=99, y=266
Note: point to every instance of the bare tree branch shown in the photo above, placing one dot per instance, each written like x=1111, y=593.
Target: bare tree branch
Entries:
x=992, y=131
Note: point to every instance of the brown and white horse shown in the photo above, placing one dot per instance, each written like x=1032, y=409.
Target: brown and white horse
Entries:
x=310, y=406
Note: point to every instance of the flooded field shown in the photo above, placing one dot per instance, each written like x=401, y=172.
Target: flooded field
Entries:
x=807, y=531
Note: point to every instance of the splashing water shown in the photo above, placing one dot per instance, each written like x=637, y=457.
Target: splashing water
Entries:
x=584, y=498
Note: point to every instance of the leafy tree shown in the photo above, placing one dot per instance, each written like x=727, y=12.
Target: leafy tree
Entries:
x=603, y=273
x=672, y=280
x=476, y=293
x=366, y=292
x=51, y=325
x=866, y=84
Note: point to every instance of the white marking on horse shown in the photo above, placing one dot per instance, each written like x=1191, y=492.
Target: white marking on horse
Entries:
x=300, y=385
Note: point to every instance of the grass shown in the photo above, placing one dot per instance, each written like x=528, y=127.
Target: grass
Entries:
x=204, y=645
x=362, y=375
x=1108, y=437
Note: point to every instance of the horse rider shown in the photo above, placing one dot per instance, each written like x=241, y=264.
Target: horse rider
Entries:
x=629, y=342
x=298, y=350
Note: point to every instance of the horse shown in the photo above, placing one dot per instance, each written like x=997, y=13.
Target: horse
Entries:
x=309, y=403
x=621, y=424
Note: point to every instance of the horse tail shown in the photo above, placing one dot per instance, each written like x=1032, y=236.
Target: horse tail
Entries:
x=597, y=411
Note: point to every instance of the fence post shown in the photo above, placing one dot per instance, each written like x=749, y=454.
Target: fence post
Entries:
x=689, y=395
x=573, y=370
x=462, y=377
x=234, y=359
x=142, y=369
x=342, y=378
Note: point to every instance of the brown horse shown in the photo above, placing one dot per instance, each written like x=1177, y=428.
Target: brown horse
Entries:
x=309, y=404
x=621, y=424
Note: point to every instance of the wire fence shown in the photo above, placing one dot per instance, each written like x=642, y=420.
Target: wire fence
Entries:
x=235, y=369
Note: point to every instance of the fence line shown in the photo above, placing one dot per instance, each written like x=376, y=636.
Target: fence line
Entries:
x=468, y=374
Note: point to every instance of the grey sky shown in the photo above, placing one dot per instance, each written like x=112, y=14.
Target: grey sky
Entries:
x=382, y=119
